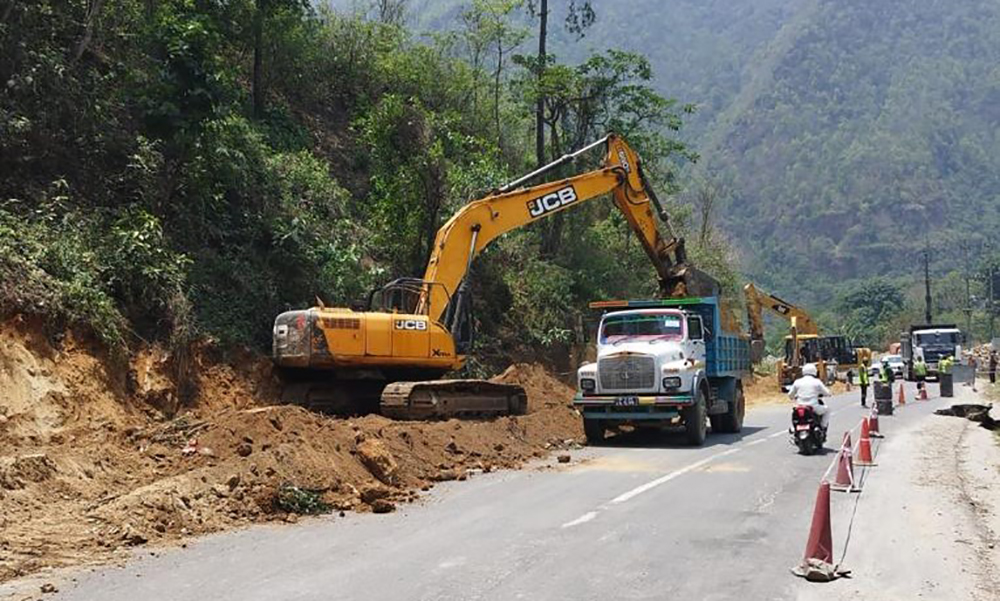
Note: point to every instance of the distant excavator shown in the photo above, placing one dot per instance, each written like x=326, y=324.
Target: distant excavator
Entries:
x=413, y=331
x=803, y=344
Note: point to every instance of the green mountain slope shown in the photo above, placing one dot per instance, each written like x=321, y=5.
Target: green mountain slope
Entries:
x=875, y=136
x=851, y=133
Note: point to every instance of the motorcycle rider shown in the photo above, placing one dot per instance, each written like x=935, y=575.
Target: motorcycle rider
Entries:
x=807, y=390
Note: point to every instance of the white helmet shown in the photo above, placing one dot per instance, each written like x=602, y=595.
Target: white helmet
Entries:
x=809, y=369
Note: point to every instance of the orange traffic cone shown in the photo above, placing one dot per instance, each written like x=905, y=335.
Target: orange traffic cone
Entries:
x=922, y=392
x=820, y=544
x=865, y=445
x=844, y=481
x=873, y=431
x=846, y=444
x=902, y=395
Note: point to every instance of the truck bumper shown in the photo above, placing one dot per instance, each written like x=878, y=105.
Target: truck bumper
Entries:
x=632, y=407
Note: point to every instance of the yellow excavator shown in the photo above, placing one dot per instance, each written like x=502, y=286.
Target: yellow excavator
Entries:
x=802, y=344
x=412, y=331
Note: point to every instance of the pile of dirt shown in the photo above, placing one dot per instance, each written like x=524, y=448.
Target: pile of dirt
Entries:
x=95, y=459
x=763, y=390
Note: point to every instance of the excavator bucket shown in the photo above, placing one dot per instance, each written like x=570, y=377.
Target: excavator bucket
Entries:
x=686, y=281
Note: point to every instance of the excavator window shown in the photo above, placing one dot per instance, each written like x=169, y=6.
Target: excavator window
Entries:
x=404, y=295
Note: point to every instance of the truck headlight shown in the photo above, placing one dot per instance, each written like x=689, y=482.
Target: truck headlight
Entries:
x=671, y=382
x=588, y=384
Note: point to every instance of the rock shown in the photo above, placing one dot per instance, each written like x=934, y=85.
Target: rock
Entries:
x=244, y=449
x=292, y=518
x=233, y=481
x=49, y=588
x=498, y=447
x=446, y=475
x=132, y=536
x=564, y=458
x=220, y=490
x=451, y=447
x=372, y=493
x=378, y=460
x=382, y=506
x=16, y=474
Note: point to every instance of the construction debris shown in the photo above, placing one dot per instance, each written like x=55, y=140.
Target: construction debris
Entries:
x=977, y=413
x=89, y=468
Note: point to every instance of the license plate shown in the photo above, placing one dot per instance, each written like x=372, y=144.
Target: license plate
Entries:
x=801, y=427
x=627, y=401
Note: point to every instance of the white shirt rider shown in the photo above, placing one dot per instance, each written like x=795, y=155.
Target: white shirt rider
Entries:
x=807, y=390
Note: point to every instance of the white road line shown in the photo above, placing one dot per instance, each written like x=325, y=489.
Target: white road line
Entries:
x=648, y=486
x=638, y=490
x=583, y=519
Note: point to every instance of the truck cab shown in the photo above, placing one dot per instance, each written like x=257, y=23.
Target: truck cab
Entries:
x=662, y=363
x=930, y=343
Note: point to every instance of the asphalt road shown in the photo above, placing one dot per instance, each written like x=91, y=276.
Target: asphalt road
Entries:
x=643, y=518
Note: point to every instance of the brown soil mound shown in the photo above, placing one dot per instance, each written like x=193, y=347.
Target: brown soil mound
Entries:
x=95, y=459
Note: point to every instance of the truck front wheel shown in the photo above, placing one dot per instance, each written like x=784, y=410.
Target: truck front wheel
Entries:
x=695, y=427
x=594, y=430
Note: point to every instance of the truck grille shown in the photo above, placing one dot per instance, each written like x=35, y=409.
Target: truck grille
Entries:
x=629, y=372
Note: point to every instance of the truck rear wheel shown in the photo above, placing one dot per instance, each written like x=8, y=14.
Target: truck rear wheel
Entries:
x=732, y=420
x=695, y=428
x=594, y=430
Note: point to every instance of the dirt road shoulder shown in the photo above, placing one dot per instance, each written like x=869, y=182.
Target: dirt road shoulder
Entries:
x=929, y=517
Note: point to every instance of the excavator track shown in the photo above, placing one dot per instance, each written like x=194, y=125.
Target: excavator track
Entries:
x=452, y=398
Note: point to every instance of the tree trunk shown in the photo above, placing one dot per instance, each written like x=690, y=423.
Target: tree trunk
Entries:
x=540, y=105
x=257, y=85
x=93, y=10
x=496, y=91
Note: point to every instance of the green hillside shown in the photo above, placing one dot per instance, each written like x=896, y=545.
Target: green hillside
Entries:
x=849, y=135
x=875, y=135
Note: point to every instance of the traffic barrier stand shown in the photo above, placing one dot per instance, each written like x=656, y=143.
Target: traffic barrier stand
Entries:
x=865, y=445
x=901, y=400
x=873, y=430
x=817, y=563
x=844, y=481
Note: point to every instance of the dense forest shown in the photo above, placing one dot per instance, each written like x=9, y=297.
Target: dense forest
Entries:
x=189, y=168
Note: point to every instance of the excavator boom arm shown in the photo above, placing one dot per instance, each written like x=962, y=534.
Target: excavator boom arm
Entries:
x=480, y=222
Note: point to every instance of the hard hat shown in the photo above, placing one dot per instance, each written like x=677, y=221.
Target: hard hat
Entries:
x=809, y=369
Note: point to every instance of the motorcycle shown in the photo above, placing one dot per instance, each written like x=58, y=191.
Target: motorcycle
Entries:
x=806, y=432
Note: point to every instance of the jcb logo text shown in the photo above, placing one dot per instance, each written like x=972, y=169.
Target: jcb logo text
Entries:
x=551, y=202
x=411, y=324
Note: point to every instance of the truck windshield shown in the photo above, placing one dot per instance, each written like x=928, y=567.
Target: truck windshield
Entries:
x=621, y=327
x=939, y=338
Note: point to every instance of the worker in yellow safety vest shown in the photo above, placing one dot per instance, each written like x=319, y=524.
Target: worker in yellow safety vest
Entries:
x=863, y=383
x=920, y=371
x=945, y=365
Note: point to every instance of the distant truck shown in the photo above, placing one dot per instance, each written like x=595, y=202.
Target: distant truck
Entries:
x=931, y=343
x=664, y=362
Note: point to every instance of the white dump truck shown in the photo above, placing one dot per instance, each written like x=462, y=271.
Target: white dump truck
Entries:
x=930, y=343
x=664, y=362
